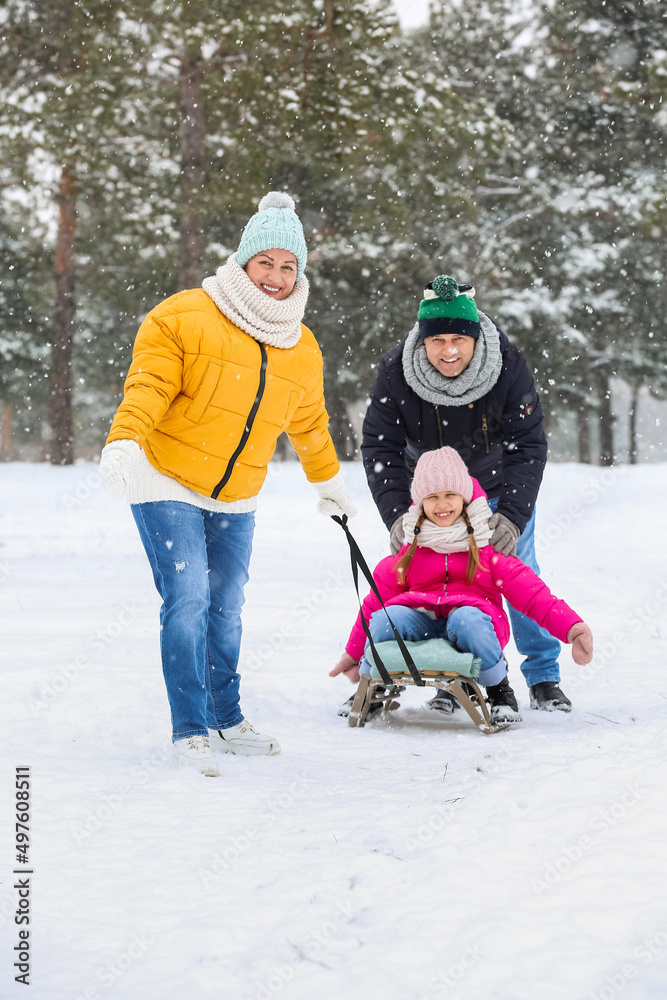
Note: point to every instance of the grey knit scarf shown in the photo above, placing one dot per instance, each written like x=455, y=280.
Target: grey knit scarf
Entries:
x=276, y=323
x=474, y=382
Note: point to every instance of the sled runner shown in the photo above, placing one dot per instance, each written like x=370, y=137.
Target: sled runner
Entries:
x=387, y=681
x=374, y=691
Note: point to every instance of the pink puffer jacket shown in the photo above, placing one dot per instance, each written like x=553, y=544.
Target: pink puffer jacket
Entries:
x=438, y=582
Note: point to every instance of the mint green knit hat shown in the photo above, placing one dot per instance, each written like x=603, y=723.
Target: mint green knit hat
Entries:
x=448, y=307
x=275, y=224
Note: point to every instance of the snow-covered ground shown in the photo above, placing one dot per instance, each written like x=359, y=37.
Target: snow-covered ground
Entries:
x=412, y=859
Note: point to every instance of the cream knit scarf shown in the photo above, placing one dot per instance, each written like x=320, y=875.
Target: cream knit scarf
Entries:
x=474, y=381
x=277, y=324
x=455, y=537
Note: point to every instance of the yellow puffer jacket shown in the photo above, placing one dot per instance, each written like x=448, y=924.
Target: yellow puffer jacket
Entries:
x=207, y=402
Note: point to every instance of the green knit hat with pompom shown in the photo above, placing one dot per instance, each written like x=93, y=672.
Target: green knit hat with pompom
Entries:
x=448, y=307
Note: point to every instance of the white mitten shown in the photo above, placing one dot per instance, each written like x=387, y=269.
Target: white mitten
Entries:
x=116, y=462
x=334, y=498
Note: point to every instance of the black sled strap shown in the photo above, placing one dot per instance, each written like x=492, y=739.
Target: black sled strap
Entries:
x=359, y=563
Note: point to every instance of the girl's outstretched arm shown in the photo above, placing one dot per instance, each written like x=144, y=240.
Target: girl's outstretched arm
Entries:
x=529, y=594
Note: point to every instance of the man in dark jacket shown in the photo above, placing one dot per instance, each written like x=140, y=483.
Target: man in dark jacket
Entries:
x=457, y=380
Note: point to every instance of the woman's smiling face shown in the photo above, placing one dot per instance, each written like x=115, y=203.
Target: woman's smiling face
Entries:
x=273, y=272
x=443, y=508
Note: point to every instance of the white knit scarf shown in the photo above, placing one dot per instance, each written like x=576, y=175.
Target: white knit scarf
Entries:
x=474, y=381
x=454, y=538
x=276, y=323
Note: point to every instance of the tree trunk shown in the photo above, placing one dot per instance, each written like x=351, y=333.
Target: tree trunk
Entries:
x=342, y=432
x=583, y=419
x=6, y=438
x=634, y=406
x=284, y=451
x=192, y=129
x=606, y=419
x=60, y=374
x=584, y=436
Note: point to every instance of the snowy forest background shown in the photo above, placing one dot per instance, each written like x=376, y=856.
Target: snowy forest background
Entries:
x=516, y=144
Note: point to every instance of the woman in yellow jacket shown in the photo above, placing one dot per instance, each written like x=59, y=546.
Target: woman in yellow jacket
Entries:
x=217, y=374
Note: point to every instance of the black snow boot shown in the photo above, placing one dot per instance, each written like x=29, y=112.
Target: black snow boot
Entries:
x=548, y=697
x=502, y=702
x=346, y=707
x=443, y=702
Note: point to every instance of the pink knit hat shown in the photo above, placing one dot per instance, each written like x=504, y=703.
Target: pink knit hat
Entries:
x=442, y=470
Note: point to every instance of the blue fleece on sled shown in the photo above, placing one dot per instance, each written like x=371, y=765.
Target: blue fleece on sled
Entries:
x=429, y=654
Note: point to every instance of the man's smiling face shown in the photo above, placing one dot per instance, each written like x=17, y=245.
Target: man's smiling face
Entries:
x=450, y=353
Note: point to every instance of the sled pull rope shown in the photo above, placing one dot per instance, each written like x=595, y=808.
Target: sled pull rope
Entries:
x=358, y=562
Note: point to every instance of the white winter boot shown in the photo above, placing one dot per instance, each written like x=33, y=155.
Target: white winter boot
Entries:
x=195, y=751
x=244, y=739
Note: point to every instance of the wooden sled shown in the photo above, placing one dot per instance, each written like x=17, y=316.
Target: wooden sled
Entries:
x=374, y=692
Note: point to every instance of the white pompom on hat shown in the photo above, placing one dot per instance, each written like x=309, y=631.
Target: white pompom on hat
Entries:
x=276, y=199
x=438, y=471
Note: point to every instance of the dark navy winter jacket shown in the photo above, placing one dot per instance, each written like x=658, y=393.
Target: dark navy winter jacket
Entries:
x=500, y=437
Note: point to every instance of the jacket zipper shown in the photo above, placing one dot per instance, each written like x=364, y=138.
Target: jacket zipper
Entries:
x=437, y=414
x=485, y=428
x=248, y=427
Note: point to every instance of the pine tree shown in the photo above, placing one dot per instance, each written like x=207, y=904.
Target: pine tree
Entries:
x=26, y=271
x=563, y=226
x=62, y=70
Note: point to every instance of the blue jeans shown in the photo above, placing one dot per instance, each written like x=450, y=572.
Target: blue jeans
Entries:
x=200, y=566
x=469, y=629
x=540, y=649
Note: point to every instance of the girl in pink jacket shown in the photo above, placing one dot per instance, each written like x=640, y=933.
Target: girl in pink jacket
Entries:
x=449, y=583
